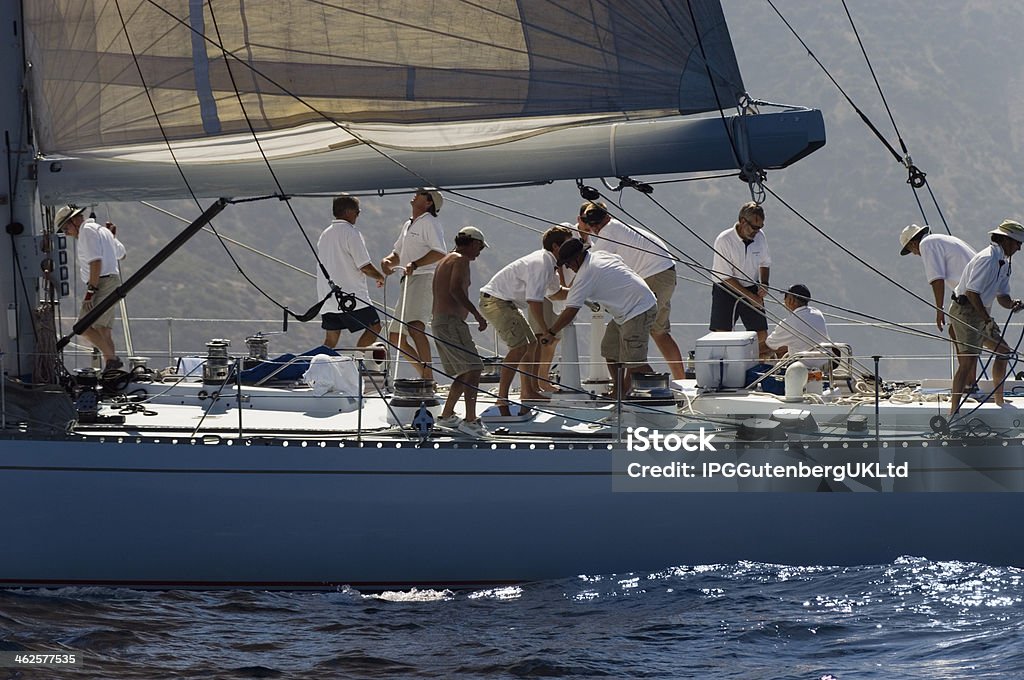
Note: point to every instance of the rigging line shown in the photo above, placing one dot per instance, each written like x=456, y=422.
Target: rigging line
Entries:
x=863, y=116
x=693, y=265
x=232, y=241
x=895, y=128
x=692, y=179
x=270, y=168
x=714, y=88
x=878, y=85
x=812, y=225
x=935, y=201
x=174, y=157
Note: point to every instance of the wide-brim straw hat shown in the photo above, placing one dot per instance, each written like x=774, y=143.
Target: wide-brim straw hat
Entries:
x=908, y=234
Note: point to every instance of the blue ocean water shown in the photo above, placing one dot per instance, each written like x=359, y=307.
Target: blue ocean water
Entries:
x=910, y=619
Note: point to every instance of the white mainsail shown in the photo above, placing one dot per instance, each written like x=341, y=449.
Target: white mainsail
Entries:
x=126, y=92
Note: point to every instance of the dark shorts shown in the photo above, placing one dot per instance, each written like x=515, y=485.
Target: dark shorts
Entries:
x=355, y=321
x=726, y=308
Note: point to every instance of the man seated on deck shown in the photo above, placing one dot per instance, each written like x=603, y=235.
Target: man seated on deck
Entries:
x=604, y=278
x=986, y=278
x=455, y=345
x=528, y=281
x=802, y=330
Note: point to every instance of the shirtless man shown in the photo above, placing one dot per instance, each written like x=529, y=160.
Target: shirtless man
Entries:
x=455, y=345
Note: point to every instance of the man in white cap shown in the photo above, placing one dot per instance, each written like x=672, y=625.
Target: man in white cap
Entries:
x=986, y=278
x=455, y=345
x=98, y=254
x=420, y=246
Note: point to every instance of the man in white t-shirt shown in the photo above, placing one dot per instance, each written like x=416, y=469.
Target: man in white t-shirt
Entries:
x=803, y=330
x=740, y=269
x=647, y=255
x=944, y=258
x=986, y=278
x=604, y=278
x=530, y=282
x=98, y=254
x=420, y=246
x=342, y=252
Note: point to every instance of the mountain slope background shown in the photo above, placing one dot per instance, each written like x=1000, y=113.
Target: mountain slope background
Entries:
x=952, y=78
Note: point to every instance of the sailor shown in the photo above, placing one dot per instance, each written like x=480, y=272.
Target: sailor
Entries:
x=604, y=278
x=98, y=254
x=647, y=255
x=740, y=269
x=420, y=246
x=944, y=258
x=455, y=345
x=342, y=251
x=532, y=282
x=802, y=330
x=986, y=278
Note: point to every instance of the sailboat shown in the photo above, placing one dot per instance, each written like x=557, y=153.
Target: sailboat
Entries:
x=201, y=480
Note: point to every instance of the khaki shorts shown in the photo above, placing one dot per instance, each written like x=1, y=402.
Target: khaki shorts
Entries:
x=455, y=345
x=549, y=318
x=506, y=318
x=663, y=285
x=968, y=326
x=628, y=343
x=108, y=284
x=416, y=299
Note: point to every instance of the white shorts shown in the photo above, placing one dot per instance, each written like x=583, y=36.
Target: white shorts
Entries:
x=416, y=301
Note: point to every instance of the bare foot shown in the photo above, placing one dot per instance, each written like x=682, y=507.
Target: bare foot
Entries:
x=533, y=396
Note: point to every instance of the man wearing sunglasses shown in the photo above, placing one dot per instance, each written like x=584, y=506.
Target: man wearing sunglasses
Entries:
x=740, y=270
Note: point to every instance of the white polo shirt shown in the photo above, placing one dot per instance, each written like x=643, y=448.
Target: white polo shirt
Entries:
x=944, y=258
x=738, y=260
x=802, y=330
x=417, y=238
x=96, y=242
x=642, y=251
x=342, y=250
x=987, y=274
x=531, y=278
x=604, y=278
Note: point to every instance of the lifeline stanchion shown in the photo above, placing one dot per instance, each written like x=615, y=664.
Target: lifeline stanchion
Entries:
x=877, y=358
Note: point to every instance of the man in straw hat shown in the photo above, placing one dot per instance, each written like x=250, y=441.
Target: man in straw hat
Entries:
x=986, y=278
x=420, y=246
x=944, y=258
x=98, y=254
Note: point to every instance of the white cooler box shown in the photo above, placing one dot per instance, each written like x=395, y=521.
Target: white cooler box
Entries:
x=722, y=359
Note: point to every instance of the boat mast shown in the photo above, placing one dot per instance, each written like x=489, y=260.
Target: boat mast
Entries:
x=18, y=247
